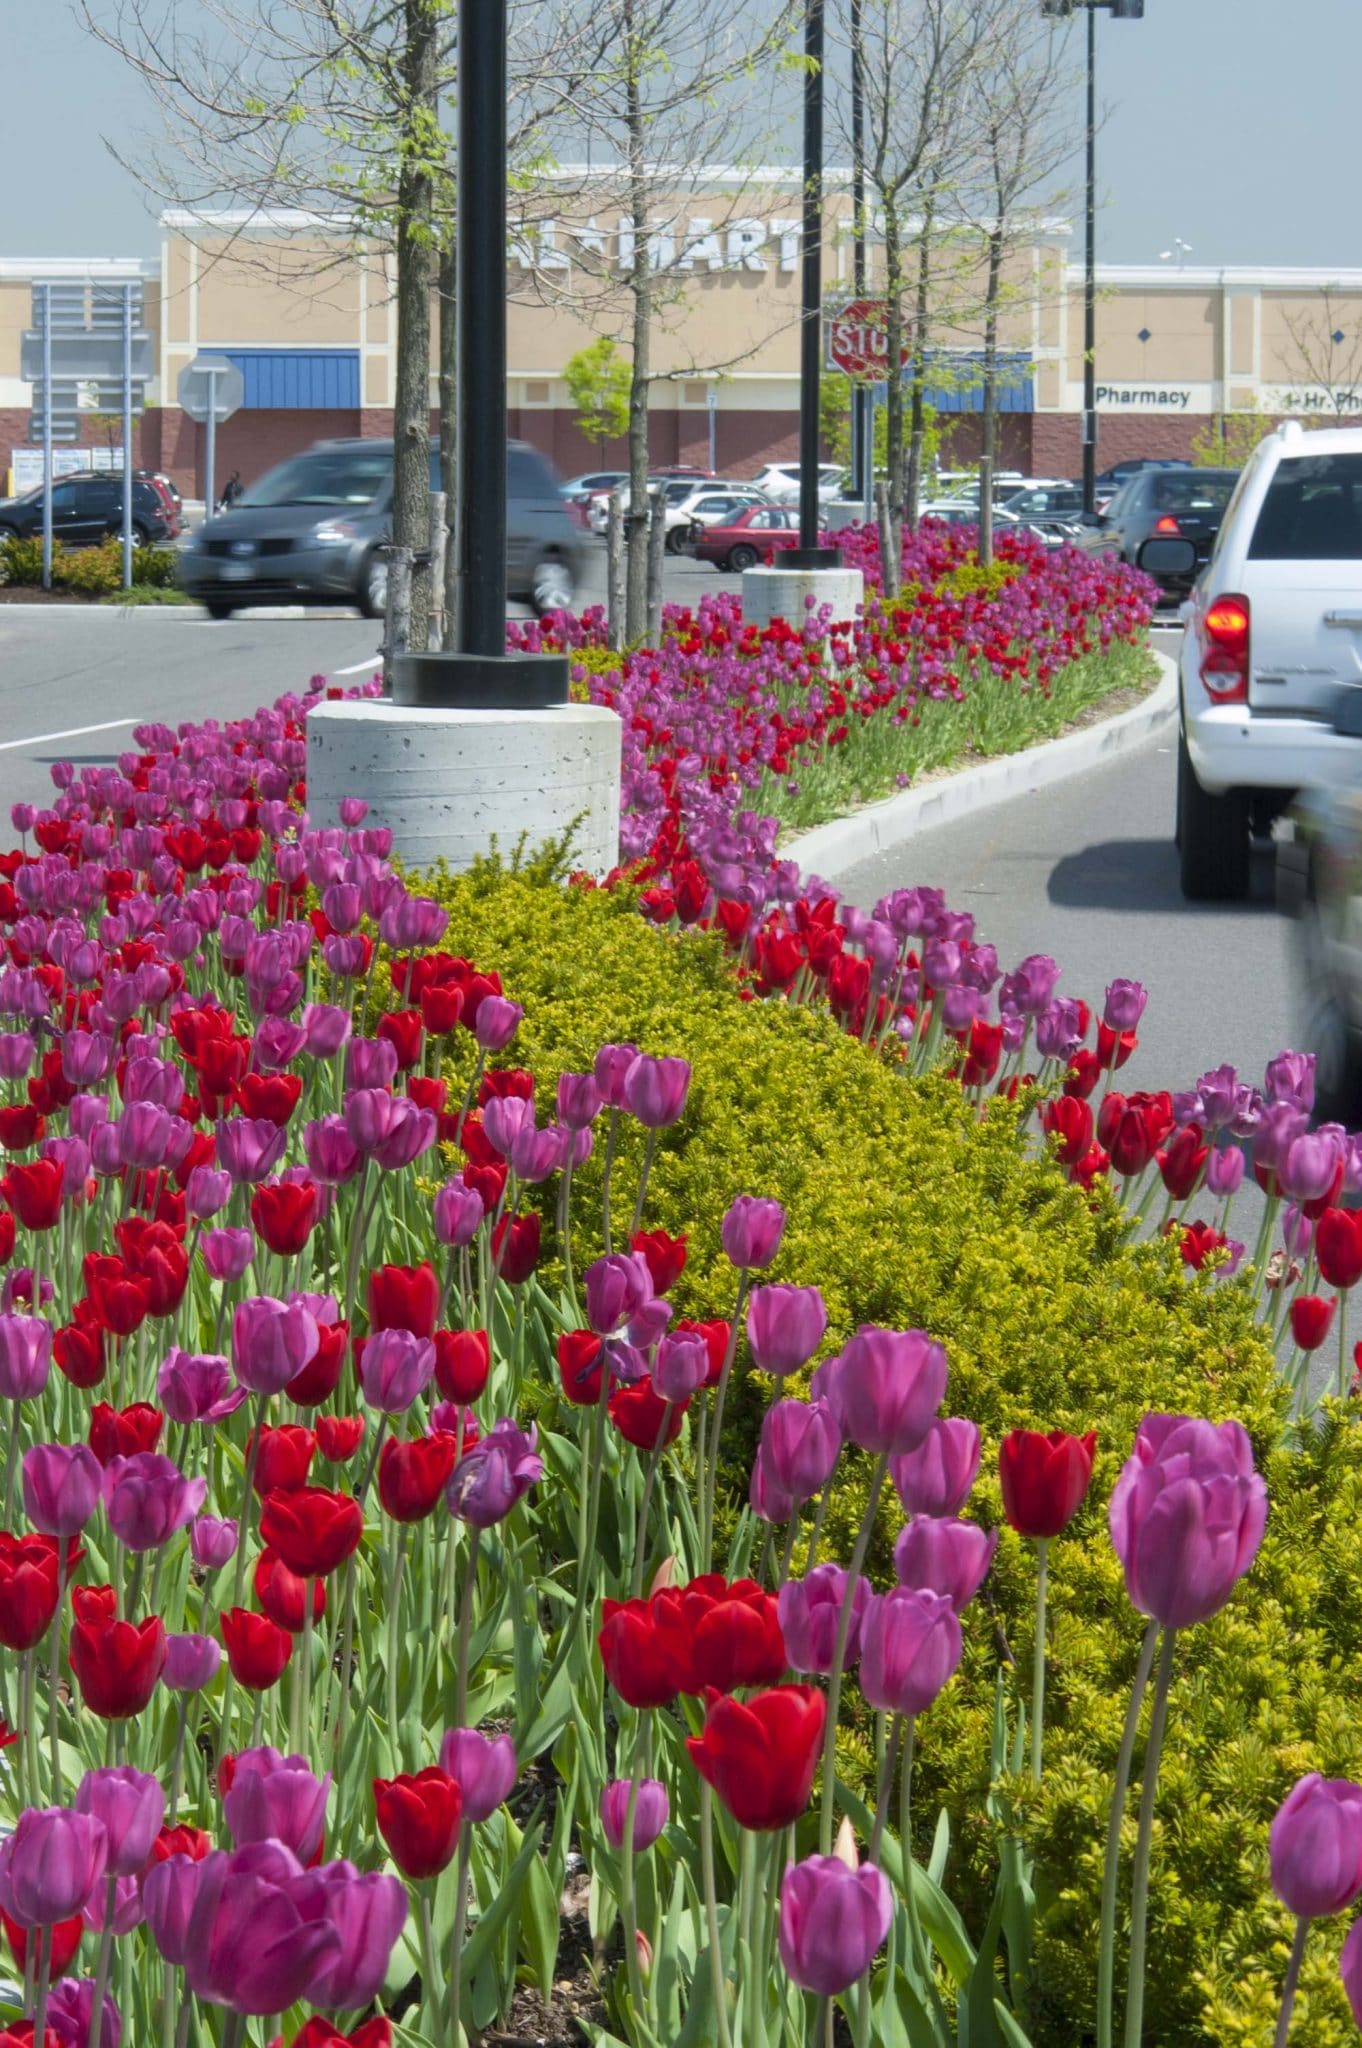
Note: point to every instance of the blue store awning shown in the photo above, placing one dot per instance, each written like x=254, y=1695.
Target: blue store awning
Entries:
x=298, y=379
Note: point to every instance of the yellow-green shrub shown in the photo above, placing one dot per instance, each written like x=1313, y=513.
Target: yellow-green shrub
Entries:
x=908, y=1211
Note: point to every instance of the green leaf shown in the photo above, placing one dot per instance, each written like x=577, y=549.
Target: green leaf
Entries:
x=490, y=1923
x=539, y=1927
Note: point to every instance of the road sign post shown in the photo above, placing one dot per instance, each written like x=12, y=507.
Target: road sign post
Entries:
x=46, y=290
x=127, y=437
x=210, y=390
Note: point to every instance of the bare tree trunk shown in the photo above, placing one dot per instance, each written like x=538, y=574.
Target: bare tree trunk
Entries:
x=657, y=540
x=641, y=287
x=891, y=540
x=614, y=569
x=397, y=610
x=415, y=195
x=918, y=373
x=439, y=555
x=988, y=449
x=886, y=525
x=446, y=592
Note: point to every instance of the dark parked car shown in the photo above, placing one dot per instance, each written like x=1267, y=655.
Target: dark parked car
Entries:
x=86, y=510
x=746, y=538
x=1158, y=503
x=314, y=528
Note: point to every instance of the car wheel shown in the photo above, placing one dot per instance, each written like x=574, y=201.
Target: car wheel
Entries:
x=1212, y=839
x=372, y=597
x=675, y=537
x=551, y=586
x=743, y=557
x=216, y=609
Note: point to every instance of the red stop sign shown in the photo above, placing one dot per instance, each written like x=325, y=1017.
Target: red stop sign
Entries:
x=859, y=343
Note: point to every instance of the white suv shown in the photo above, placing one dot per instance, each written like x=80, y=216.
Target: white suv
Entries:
x=1274, y=634
x=780, y=481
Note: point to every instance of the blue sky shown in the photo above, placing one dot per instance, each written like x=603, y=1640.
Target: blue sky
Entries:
x=1229, y=123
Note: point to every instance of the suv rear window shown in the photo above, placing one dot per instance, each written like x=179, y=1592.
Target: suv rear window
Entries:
x=324, y=476
x=1312, y=512
x=1186, y=491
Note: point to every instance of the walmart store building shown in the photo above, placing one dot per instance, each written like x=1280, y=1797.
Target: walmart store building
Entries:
x=304, y=307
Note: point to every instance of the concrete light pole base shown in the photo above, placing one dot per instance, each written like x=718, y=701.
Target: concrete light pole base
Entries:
x=781, y=592
x=450, y=781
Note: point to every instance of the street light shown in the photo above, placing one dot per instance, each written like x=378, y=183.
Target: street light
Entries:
x=808, y=555
x=1182, y=250
x=1120, y=10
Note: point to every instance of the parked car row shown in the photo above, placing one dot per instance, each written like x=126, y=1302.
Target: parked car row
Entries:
x=87, y=508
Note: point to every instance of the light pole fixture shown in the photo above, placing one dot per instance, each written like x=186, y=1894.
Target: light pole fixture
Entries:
x=1120, y=10
x=808, y=555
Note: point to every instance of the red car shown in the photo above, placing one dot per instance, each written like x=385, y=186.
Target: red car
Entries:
x=752, y=536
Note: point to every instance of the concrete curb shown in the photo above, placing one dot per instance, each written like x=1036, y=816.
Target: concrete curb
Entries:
x=882, y=827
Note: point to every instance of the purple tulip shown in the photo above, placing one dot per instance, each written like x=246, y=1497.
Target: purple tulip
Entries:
x=143, y=1131
x=207, y=1193
x=131, y=1806
x=503, y=1120
x=25, y=1356
x=1124, y=1005
x=785, y=1327
x=192, y=1661
x=257, y=1937
x=410, y=1132
x=483, y=1766
x=1308, y=1165
x=681, y=1367
x=250, y=1148
x=168, y=1893
x=276, y=1798
x=394, y=1368
x=611, y=1065
x=50, y=1865
x=1029, y=987
x=368, y=1913
x=884, y=1388
x=212, y=1542
x=1059, y=1030
x=325, y=1028
x=800, y=1445
x=579, y=1100
x=1186, y=1516
x=935, y=1479
x=332, y=1157
x=494, y=1475
x=370, y=1063
x=1316, y=1846
x=368, y=1113
x=655, y=1091
x=71, y=2005
x=650, y=1812
x=937, y=1554
x=1298, y=1232
x=61, y=1489
x=496, y=1023
x=617, y=1287
x=751, y=1232
x=1224, y=1169
x=459, y=1212
x=147, y=1499
x=197, y=1387
x=1290, y=1078
x=535, y=1154
x=910, y=1649
x=809, y=1610
x=271, y=1343
x=832, y=1921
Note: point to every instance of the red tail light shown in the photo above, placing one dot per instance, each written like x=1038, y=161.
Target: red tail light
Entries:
x=1225, y=649
x=1168, y=524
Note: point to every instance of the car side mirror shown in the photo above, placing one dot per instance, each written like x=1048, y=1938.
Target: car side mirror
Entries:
x=1348, y=712
x=1166, y=558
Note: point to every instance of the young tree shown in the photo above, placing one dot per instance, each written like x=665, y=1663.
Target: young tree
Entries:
x=1328, y=347
x=598, y=381
x=1228, y=439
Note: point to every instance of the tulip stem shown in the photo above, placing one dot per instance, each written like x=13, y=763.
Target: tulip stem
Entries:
x=717, y=1978
x=611, y=1134
x=177, y=1764
x=430, y=1984
x=628, y=1900
x=650, y=1481
x=395, y=1642
x=710, y=1480
x=1139, y=1881
x=53, y=1656
x=1106, y=1953
x=866, y=1530
x=465, y=1630
x=1342, y=1313
x=891, y=1751
x=102, y=1965
x=1038, y=1669
x=822, y=2035
x=44, y=1984
x=456, y=2034
x=1289, y=1983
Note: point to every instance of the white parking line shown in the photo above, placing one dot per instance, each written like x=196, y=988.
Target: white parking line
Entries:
x=374, y=663
x=72, y=732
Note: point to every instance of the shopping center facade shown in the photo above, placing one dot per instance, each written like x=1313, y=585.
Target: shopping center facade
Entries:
x=304, y=306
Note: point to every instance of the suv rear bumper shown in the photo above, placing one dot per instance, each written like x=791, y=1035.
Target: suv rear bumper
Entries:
x=1235, y=748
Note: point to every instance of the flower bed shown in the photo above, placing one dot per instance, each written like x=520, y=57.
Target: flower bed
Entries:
x=798, y=727
x=234, y=1049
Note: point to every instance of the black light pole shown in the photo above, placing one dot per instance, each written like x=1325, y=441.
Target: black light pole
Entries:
x=481, y=674
x=808, y=555
x=862, y=398
x=1121, y=10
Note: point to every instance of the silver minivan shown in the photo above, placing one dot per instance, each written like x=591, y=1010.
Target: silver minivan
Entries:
x=312, y=530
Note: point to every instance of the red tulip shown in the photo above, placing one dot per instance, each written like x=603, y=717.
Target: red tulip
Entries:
x=412, y=1476
x=1181, y=1161
x=643, y=1418
x=283, y=1595
x=1338, y=1246
x=273, y=1097
x=284, y=1212
x=1044, y=1478
x=28, y=1589
x=441, y=1008
x=760, y=1754
x=181, y=1840
x=283, y=1458
x=515, y=1243
x=1311, y=1320
x=716, y=1343
x=735, y=1635
x=94, y=1604
x=402, y=1029
x=257, y=1649
x=117, y=1664
x=463, y=1359
x=645, y=1648
x=154, y=1252
x=404, y=1298
x=579, y=1366
x=320, y=1377
x=120, y=1299
x=418, y=1817
x=6, y=1236
x=1071, y=1121
x=339, y=1437
x=79, y=1348
x=65, y=1938
x=1130, y=1143
x=1198, y=1241
x=312, y=1529
x=321, y=2033
x=123, y=1432
x=1085, y=1071
x=665, y=1257
x=20, y=1127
